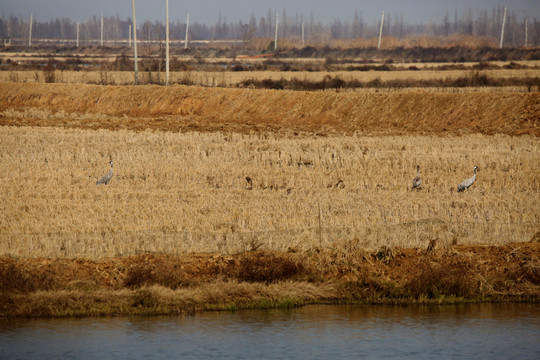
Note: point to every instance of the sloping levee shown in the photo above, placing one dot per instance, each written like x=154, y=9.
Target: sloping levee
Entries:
x=403, y=112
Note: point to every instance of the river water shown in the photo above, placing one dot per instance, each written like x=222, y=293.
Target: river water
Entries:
x=466, y=331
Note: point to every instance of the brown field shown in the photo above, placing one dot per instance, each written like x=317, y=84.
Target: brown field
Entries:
x=182, y=193
x=172, y=186
x=184, y=108
x=329, y=206
x=510, y=69
x=235, y=78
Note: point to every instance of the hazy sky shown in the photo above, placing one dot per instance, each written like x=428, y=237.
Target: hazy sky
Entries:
x=207, y=11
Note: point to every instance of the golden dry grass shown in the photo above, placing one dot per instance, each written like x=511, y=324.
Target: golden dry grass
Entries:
x=188, y=108
x=187, y=192
x=233, y=78
x=329, y=201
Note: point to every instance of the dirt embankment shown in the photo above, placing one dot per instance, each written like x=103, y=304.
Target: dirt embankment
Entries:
x=182, y=108
x=161, y=284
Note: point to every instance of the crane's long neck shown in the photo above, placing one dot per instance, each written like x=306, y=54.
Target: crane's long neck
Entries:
x=474, y=176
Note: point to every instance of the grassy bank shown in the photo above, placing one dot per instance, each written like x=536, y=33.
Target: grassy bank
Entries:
x=185, y=108
x=153, y=284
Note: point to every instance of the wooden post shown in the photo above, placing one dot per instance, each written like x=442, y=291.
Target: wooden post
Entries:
x=129, y=36
x=502, y=28
x=30, y=32
x=167, y=42
x=275, y=36
x=77, y=34
x=187, y=32
x=101, y=30
x=380, y=30
x=135, y=43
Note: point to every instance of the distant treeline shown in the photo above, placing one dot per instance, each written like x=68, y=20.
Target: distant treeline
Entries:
x=477, y=23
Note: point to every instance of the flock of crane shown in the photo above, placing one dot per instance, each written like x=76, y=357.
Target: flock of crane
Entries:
x=416, y=183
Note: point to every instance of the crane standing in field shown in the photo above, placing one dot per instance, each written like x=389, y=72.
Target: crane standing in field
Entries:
x=107, y=177
x=417, y=181
x=467, y=183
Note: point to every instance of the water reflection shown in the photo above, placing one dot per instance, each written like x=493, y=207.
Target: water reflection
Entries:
x=313, y=332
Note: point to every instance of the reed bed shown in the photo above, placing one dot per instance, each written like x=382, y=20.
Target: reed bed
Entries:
x=180, y=193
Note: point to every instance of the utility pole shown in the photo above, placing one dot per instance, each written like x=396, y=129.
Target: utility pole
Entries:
x=303, y=42
x=30, y=31
x=275, y=36
x=526, y=32
x=101, y=30
x=502, y=29
x=167, y=42
x=187, y=32
x=135, y=43
x=77, y=34
x=380, y=30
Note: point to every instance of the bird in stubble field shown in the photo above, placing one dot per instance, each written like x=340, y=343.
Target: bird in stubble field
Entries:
x=107, y=177
x=467, y=183
x=417, y=181
x=249, y=183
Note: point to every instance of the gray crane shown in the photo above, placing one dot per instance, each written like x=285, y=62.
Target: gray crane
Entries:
x=467, y=183
x=107, y=177
x=417, y=181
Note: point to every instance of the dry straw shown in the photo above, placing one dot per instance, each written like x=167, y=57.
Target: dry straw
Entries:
x=177, y=108
x=234, y=78
x=177, y=193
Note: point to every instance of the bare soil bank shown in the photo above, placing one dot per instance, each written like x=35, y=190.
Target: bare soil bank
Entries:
x=162, y=284
x=183, y=108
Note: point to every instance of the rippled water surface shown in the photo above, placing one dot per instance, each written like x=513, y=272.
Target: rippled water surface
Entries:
x=477, y=331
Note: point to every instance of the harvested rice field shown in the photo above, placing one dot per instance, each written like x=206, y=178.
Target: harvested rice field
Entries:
x=238, y=78
x=223, y=196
